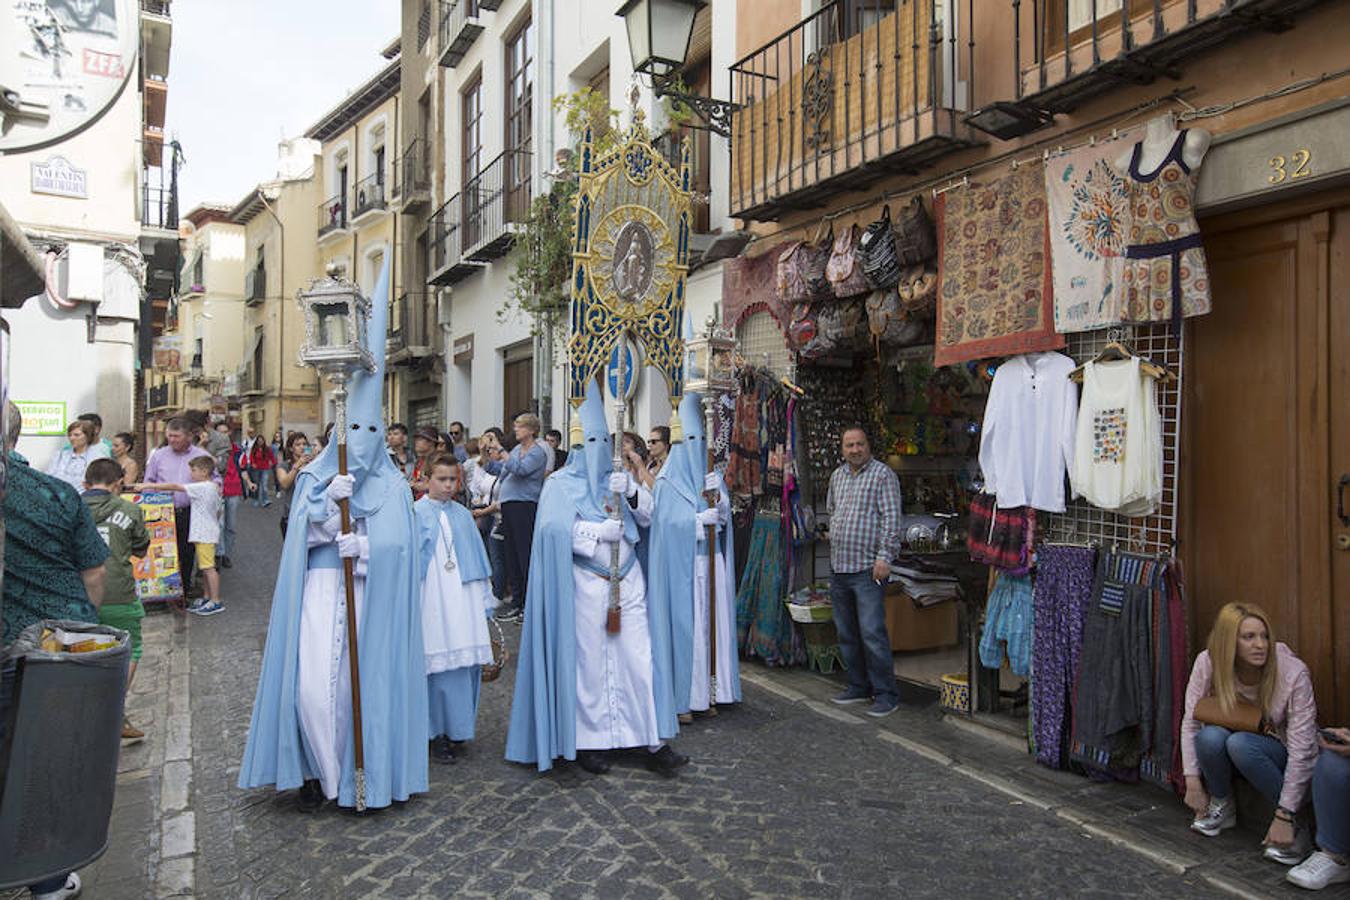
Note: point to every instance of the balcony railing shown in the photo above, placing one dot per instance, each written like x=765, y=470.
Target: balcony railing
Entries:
x=156, y=7
x=369, y=195
x=157, y=397
x=413, y=172
x=255, y=285
x=492, y=202
x=460, y=27
x=853, y=92
x=1066, y=52
x=448, y=263
x=410, y=337
x=159, y=208
x=332, y=214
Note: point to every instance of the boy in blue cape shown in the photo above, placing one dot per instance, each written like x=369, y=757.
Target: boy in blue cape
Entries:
x=582, y=691
x=457, y=601
x=679, y=569
x=300, y=735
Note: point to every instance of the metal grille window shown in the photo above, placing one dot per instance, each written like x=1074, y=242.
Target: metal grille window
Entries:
x=1083, y=523
x=519, y=115
x=471, y=112
x=762, y=344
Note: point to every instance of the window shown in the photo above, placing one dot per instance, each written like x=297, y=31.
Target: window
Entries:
x=471, y=113
x=199, y=271
x=424, y=25
x=519, y=120
x=257, y=359
x=376, y=142
x=1079, y=27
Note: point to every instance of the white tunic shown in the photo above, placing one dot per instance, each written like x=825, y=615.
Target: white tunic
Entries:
x=454, y=615
x=323, y=689
x=1028, y=436
x=1118, y=459
x=727, y=661
x=616, y=703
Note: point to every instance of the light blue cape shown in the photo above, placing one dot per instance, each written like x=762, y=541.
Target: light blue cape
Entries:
x=679, y=498
x=543, y=710
x=469, y=551
x=393, y=680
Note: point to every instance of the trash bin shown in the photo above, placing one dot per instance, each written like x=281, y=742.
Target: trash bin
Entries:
x=58, y=754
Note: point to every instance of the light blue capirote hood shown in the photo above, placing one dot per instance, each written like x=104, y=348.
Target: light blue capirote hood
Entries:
x=393, y=680
x=678, y=497
x=543, y=709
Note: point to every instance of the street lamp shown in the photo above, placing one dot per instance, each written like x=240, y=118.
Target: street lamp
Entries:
x=659, y=32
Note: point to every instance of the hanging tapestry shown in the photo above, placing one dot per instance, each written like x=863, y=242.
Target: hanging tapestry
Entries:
x=995, y=293
x=748, y=286
x=1089, y=198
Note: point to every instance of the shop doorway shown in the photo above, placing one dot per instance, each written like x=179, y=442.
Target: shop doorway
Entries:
x=517, y=389
x=1267, y=433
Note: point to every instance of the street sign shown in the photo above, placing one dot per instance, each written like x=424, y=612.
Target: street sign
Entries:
x=43, y=418
x=630, y=373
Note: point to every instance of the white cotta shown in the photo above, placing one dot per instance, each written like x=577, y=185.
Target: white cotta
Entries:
x=727, y=661
x=454, y=614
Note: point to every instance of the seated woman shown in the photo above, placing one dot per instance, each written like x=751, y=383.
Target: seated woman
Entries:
x=1249, y=706
x=1330, y=863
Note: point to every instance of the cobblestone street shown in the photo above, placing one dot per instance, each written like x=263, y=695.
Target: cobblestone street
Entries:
x=785, y=797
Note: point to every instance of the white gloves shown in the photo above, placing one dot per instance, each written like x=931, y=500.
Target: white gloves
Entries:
x=353, y=546
x=340, y=488
x=621, y=483
x=709, y=518
x=712, y=483
x=609, y=531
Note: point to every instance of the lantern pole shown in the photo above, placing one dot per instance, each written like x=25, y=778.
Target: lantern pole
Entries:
x=713, y=497
x=339, y=379
x=615, y=577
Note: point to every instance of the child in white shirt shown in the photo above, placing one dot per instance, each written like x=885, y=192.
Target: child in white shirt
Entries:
x=204, y=530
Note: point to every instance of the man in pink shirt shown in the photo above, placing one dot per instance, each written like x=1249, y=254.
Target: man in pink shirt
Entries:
x=169, y=464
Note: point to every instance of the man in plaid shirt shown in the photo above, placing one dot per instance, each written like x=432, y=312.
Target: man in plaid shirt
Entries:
x=864, y=510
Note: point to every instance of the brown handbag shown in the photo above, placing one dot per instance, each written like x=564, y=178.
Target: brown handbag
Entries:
x=915, y=236
x=1243, y=717
x=844, y=269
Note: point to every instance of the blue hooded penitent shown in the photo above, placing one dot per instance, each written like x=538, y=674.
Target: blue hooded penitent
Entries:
x=678, y=498
x=543, y=710
x=393, y=683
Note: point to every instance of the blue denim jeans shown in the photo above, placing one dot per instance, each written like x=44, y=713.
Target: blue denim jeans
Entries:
x=1258, y=758
x=1331, y=802
x=264, y=486
x=227, y=529
x=860, y=618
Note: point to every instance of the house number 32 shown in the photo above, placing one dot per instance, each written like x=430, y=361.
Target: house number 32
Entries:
x=1283, y=169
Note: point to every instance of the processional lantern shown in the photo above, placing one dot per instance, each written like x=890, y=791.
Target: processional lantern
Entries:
x=335, y=313
x=711, y=369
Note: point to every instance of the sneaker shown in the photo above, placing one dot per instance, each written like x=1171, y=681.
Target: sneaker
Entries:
x=1318, y=871
x=225, y=562
x=851, y=696
x=1294, y=853
x=70, y=889
x=1220, y=816
x=208, y=608
x=131, y=732
x=195, y=605
x=442, y=751
x=882, y=708
x=510, y=615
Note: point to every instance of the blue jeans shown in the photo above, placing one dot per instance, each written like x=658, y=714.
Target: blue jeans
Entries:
x=860, y=618
x=496, y=547
x=1331, y=802
x=1258, y=758
x=227, y=530
x=264, y=486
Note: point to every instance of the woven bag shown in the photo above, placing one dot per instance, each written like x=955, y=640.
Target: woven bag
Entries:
x=844, y=269
x=917, y=290
x=876, y=250
x=801, y=272
x=888, y=322
x=915, y=236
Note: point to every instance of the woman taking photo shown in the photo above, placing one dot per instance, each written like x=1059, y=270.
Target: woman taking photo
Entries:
x=1249, y=711
x=122, y=445
x=523, y=471
x=296, y=456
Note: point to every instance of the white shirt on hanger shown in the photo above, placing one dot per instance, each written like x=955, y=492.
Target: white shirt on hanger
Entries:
x=1026, y=445
x=1118, y=460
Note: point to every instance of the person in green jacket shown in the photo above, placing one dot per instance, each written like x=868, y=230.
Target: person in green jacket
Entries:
x=122, y=525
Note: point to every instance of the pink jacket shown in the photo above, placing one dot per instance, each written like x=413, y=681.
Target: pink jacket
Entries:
x=1292, y=714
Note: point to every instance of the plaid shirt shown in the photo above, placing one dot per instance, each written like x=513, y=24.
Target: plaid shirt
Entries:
x=864, y=510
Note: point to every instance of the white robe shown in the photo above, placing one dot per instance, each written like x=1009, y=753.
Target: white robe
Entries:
x=616, y=703
x=323, y=690
x=454, y=614
x=727, y=661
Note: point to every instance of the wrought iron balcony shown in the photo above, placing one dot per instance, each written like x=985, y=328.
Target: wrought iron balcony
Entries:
x=460, y=27
x=369, y=195
x=333, y=214
x=492, y=202
x=156, y=7
x=159, y=207
x=255, y=285
x=1066, y=52
x=413, y=173
x=411, y=337
x=448, y=263
x=854, y=92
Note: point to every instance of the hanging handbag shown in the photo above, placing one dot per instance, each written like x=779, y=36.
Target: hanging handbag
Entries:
x=876, y=249
x=1244, y=716
x=801, y=272
x=888, y=322
x=917, y=290
x=844, y=270
x=492, y=671
x=915, y=236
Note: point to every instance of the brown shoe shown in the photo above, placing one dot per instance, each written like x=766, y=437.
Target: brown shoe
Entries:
x=686, y=718
x=130, y=732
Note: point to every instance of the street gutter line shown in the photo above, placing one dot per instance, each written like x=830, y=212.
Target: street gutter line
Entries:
x=178, y=837
x=1177, y=863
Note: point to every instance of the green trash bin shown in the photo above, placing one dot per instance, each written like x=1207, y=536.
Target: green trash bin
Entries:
x=58, y=755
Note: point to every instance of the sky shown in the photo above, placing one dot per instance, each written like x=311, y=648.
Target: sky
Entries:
x=245, y=73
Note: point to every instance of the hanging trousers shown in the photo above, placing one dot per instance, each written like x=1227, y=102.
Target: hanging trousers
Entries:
x=1063, y=591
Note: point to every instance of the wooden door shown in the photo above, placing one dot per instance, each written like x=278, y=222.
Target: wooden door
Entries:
x=519, y=390
x=1267, y=434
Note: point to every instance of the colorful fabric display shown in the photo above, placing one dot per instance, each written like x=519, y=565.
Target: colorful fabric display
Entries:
x=1064, y=579
x=1007, y=622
